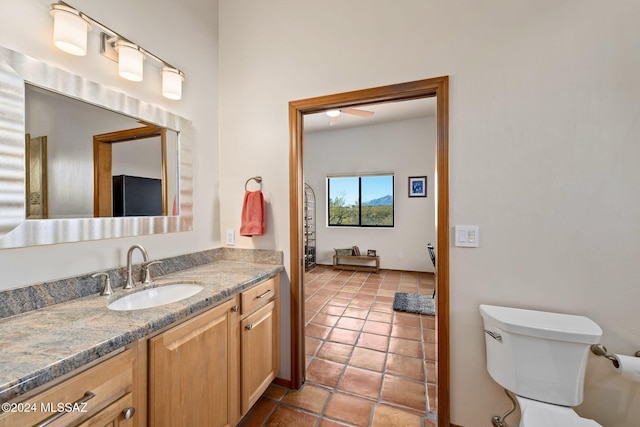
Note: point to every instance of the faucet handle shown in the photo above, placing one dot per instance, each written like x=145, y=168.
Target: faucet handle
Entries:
x=107, y=283
x=147, y=271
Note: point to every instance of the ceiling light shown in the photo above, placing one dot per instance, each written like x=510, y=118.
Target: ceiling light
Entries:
x=333, y=113
x=69, y=29
x=172, y=83
x=130, y=61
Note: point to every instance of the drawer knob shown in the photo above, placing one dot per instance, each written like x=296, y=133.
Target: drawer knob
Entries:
x=235, y=308
x=249, y=327
x=128, y=413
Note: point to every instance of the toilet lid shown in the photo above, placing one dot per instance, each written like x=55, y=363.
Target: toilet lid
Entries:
x=535, y=416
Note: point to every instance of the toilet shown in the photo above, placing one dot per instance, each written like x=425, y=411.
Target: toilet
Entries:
x=540, y=357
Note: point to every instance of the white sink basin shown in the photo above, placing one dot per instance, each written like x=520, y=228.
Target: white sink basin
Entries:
x=155, y=297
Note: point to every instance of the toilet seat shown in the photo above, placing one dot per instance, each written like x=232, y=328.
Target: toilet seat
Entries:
x=540, y=414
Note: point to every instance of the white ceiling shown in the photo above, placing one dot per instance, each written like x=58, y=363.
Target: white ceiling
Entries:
x=389, y=112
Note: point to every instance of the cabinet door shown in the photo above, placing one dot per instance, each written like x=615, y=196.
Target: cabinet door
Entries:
x=260, y=353
x=118, y=414
x=189, y=371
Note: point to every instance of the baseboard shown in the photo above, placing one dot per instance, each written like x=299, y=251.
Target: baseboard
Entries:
x=282, y=382
x=388, y=269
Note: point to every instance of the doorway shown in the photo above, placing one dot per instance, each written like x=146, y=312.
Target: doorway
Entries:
x=436, y=87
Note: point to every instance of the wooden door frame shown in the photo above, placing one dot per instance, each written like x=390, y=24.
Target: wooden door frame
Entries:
x=102, y=164
x=438, y=87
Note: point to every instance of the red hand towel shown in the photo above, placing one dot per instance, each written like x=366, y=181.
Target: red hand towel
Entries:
x=252, y=214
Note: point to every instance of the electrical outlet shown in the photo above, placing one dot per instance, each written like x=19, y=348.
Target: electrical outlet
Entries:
x=231, y=237
x=400, y=255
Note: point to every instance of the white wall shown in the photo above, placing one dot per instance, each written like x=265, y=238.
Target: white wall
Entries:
x=544, y=103
x=186, y=38
x=406, y=148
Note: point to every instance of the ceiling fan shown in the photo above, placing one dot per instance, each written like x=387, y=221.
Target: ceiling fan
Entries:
x=333, y=114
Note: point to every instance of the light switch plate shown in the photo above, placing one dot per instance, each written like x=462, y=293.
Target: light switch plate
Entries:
x=467, y=236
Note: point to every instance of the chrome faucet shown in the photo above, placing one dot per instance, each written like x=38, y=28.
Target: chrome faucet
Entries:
x=145, y=256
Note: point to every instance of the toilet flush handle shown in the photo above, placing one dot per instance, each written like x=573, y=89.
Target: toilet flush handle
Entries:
x=496, y=336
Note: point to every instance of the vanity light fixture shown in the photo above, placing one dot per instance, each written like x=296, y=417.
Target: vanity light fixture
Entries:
x=70, y=29
x=70, y=34
x=333, y=113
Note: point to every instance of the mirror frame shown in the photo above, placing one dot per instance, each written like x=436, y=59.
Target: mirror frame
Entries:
x=16, y=69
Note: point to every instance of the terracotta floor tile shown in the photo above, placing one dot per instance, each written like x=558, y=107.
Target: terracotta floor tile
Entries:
x=259, y=413
x=335, y=352
x=432, y=372
x=308, y=315
x=359, y=313
x=385, y=416
x=340, y=302
x=310, y=397
x=343, y=336
x=325, y=319
x=412, y=320
x=373, y=342
x=378, y=328
x=324, y=372
x=352, y=409
x=365, y=362
x=333, y=310
x=377, y=316
x=311, y=345
x=350, y=323
x=429, y=335
x=430, y=351
x=275, y=392
x=361, y=382
x=284, y=416
x=368, y=359
x=326, y=422
x=433, y=397
x=316, y=331
x=407, y=332
x=405, y=347
x=404, y=392
x=403, y=366
x=428, y=322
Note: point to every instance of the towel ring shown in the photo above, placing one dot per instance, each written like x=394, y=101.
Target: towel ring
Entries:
x=257, y=179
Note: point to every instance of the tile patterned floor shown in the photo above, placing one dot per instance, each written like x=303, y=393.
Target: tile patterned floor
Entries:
x=366, y=364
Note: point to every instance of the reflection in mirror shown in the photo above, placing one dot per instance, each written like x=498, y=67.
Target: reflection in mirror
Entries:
x=90, y=150
x=58, y=196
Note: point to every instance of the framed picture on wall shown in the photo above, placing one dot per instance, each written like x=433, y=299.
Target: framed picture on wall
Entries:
x=417, y=186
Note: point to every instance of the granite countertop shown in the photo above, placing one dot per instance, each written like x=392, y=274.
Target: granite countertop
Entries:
x=41, y=345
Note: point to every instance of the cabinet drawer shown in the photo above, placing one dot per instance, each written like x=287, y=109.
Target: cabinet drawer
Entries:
x=85, y=394
x=258, y=296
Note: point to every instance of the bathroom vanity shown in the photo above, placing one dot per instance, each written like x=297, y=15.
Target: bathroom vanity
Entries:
x=204, y=360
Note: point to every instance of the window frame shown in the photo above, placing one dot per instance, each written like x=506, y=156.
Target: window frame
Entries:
x=359, y=177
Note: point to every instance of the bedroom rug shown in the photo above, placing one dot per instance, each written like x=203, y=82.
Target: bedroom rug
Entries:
x=414, y=303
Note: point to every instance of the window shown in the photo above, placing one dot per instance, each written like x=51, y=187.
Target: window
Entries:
x=360, y=201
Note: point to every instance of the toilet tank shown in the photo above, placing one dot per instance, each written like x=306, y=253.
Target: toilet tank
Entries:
x=537, y=354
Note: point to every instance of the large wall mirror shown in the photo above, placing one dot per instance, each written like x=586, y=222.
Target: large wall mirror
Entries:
x=79, y=161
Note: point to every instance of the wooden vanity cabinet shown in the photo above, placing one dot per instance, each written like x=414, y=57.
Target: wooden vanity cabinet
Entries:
x=193, y=371
x=102, y=395
x=260, y=340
